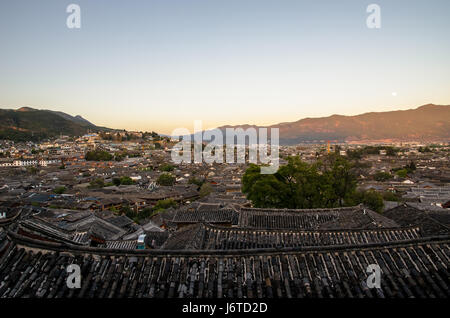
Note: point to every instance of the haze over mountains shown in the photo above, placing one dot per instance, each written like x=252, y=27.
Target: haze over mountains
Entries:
x=426, y=123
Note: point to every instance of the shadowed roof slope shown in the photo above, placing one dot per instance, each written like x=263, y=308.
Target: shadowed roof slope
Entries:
x=431, y=223
x=357, y=217
x=417, y=268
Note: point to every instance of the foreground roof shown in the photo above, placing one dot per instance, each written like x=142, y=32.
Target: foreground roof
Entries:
x=413, y=268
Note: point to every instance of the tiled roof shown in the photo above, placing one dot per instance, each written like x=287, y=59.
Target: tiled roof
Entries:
x=156, y=239
x=128, y=244
x=187, y=238
x=120, y=221
x=417, y=268
x=223, y=215
x=11, y=214
x=38, y=227
x=239, y=238
x=356, y=217
x=432, y=223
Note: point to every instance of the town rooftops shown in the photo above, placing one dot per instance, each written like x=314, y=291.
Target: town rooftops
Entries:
x=204, y=212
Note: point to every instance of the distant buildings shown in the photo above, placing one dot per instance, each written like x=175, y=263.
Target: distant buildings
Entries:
x=27, y=163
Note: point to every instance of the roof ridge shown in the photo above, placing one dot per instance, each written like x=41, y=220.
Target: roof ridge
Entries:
x=403, y=228
x=355, y=207
x=70, y=248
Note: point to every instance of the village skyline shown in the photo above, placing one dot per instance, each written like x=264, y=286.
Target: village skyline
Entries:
x=222, y=157
x=160, y=66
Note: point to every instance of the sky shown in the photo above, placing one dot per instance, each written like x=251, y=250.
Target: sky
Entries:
x=161, y=64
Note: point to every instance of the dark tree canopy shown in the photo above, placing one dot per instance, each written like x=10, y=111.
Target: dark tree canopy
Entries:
x=166, y=167
x=382, y=176
x=98, y=155
x=327, y=183
x=166, y=179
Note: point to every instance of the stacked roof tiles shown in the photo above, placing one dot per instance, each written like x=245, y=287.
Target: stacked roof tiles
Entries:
x=440, y=194
x=431, y=223
x=120, y=244
x=238, y=238
x=78, y=232
x=210, y=213
x=210, y=237
x=312, y=219
x=417, y=268
x=190, y=237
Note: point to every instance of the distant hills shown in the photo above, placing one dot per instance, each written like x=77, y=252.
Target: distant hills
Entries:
x=425, y=123
x=28, y=123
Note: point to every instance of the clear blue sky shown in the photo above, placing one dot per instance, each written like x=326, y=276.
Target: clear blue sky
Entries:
x=160, y=64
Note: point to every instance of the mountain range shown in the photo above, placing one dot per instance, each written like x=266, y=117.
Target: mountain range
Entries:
x=426, y=123
x=27, y=123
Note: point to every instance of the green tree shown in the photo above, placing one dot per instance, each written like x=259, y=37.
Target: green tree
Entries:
x=205, y=189
x=166, y=167
x=355, y=154
x=126, y=180
x=382, y=176
x=166, y=179
x=299, y=185
x=119, y=156
x=164, y=204
x=59, y=190
x=145, y=213
x=196, y=181
x=338, y=179
x=129, y=212
x=116, y=181
x=411, y=167
x=96, y=184
x=303, y=185
x=402, y=173
x=372, y=199
x=391, y=196
x=426, y=149
x=391, y=151
x=265, y=191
